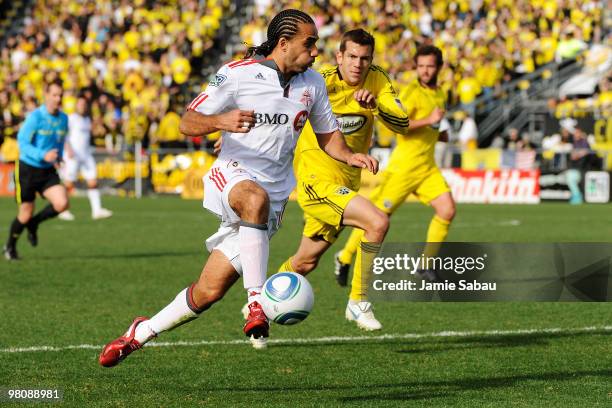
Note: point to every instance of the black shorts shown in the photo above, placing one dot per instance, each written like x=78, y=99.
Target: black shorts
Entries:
x=30, y=180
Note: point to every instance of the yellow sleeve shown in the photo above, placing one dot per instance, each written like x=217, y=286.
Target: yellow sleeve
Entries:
x=390, y=111
x=404, y=97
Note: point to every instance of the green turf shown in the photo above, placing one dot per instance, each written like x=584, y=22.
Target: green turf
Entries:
x=88, y=279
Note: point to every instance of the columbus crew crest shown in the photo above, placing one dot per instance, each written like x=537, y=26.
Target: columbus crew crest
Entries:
x=343, y=191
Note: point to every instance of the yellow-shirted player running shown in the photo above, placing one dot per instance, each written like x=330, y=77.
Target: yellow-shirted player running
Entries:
x=411, y=167
x=358, y=91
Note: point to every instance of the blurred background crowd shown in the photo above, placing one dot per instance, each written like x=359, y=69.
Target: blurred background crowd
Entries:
x=132, y=59
x=485, y=42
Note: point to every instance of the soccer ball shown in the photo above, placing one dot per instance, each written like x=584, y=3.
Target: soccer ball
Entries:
x=287, y=298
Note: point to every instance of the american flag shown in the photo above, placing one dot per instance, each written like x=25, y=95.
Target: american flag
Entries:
x=521, y=160
x=525, y=159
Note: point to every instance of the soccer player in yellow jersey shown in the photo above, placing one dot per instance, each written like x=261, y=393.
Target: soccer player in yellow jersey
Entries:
x=358, y=91
x=412, y=168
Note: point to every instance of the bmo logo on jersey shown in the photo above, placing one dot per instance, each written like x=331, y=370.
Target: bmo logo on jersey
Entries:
x=271, y=118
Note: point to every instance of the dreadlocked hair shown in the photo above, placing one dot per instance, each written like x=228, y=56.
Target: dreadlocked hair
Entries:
x=284, y=24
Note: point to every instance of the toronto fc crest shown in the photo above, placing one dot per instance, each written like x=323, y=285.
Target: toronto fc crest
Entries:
x=306, y=98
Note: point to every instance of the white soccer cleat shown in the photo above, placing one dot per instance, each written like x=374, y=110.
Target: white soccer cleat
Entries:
x=362, y=314
x=66, y=216
x=259, y=343
x=101, y=214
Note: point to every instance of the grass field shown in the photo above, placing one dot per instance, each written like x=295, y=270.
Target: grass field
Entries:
x=87, y=280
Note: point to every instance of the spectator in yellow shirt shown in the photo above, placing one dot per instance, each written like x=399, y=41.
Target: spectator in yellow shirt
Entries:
x=468, y=89
x=181, y=68
x=168, y=134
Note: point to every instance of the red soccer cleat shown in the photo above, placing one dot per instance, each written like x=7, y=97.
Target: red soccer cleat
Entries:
x=256, y=325
x=118, y=349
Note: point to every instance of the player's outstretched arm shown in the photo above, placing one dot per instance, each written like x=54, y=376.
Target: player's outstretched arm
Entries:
x=396, y=116
x=197, y=124
x=434, y=117
x=335, y=146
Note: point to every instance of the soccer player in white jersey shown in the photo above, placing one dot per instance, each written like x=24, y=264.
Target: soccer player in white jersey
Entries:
x=261, y=104
x=77, y=156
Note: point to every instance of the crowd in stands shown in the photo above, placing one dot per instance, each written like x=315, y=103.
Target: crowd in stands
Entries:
x=485, y=42
x=598, y=104
x=132, y=59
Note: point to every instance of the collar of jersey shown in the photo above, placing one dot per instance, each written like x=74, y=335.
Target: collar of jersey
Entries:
x=44, y=110
x=426, y=88
x=269, y=62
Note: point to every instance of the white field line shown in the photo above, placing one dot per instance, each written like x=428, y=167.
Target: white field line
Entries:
x=330, y=339
x=405, y=225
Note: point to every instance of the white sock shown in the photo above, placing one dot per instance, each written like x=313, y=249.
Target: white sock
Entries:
x=144, y=333
x=176, y=313
x=254, y=251
x=254, y=295
x=94, y=199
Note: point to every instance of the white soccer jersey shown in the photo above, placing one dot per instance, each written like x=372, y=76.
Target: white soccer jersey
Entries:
x=266, y=151
x=79, y=135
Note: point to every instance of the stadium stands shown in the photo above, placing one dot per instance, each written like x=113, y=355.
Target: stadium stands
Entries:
x=485, y=42
x=133, y=59
x=141, y=61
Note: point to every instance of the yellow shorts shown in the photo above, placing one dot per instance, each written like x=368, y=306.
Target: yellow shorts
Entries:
x=323, y=204
x=396, y=186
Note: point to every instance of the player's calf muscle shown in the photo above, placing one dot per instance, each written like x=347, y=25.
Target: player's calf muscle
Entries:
x=205, y=296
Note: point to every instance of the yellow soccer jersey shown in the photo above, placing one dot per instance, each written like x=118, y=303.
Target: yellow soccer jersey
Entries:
x=415, y=150
x=355, y=122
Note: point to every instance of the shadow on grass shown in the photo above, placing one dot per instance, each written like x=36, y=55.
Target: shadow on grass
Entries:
x=514, y=340
x=135, y=255
x=446, y=388
x=444, y=344
x=421, y=390
x=414, y=389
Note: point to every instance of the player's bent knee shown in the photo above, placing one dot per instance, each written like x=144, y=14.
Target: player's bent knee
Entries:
x=379, y=223
x=24, y=218
x=447, y=213
x=61, y=206
x=258, y=201
x=250, y=201
x=255, y=207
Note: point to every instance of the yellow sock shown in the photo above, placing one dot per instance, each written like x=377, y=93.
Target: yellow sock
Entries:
x=362, y=272
x=437, y=232
x=347, y=253
x=286, y=266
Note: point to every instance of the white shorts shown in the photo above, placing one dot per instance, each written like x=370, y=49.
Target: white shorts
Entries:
x=87, y=165
x=218, y=183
